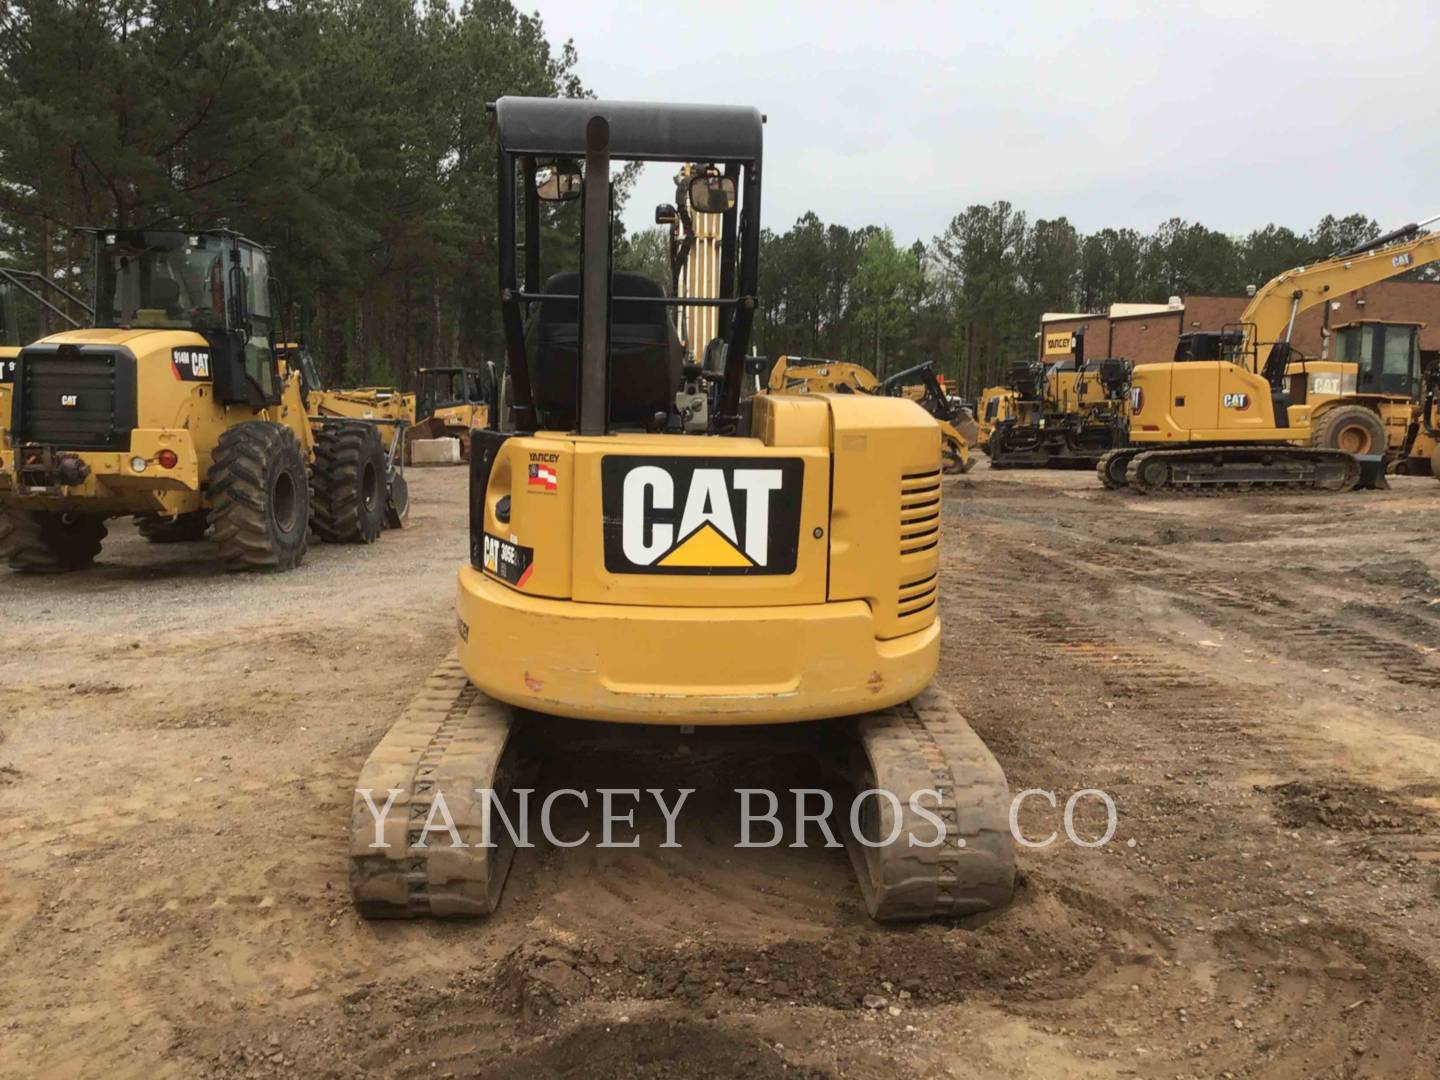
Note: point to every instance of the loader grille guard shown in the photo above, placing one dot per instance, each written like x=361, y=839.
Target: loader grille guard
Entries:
x=594, y=350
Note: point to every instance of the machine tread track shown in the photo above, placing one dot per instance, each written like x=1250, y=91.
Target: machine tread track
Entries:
x=1243, y=467
x=1113, y=466
x=245, y=478
x=40, y=542
x=349, y=481
x=926, y=745
x=452, y=739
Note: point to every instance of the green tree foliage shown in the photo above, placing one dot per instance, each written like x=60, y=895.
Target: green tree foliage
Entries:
x=352, y=137
x=349, y=135
x=973, y=297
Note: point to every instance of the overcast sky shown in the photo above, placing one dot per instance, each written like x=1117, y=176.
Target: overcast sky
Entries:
x=1232, y=114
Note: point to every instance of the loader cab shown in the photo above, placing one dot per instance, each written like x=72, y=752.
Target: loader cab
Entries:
x=446, y=387
x=213, y=283
x=591, y=349
x=1386, y=355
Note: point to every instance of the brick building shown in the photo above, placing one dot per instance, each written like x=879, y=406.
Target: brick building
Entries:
x=1147, y=333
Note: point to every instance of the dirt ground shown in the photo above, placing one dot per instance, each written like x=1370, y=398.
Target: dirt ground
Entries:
x=1253, y=679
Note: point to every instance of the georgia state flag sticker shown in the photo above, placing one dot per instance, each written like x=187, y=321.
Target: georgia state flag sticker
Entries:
x=542, y=477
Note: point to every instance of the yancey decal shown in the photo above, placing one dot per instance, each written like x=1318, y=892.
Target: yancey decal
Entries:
x=190, y=364
x=508, y=561
x=543, y=475
x=701, y=515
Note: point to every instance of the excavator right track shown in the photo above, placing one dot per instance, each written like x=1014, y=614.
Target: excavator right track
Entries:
x=925, y=745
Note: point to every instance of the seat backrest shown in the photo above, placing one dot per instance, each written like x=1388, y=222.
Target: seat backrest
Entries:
x=645, y=353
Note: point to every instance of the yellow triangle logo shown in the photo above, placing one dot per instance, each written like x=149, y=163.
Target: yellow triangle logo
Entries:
x=706, y=546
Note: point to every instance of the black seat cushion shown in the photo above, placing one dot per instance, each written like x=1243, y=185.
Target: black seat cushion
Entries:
x=645, y=353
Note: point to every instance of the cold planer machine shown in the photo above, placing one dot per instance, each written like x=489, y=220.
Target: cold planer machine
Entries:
x=780, y=566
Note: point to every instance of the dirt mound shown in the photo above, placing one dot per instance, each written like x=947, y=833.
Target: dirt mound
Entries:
x=648, y=1050
x=1340, y=806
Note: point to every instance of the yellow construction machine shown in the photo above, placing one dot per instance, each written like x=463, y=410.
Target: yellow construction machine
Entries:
x=1067, y=414
x=26, y=296
x=388, y=409
x=810, y=375
x=1252, y=417
x=997, y=404
x=779, y=565
x=176, y=407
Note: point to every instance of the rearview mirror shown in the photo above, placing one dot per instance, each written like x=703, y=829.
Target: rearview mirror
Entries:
x=712, y=193
x=560, y=182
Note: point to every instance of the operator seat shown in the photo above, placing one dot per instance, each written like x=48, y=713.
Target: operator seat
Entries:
x=645, y=353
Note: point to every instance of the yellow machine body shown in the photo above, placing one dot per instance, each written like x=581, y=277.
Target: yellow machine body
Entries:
x=716, y=620
x=172, y=412
x=997, y=403
x=366, y=403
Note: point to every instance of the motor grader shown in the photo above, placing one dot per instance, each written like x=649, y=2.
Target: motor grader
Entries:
x=779, y=566
x=1253, y=418
x=175, y=406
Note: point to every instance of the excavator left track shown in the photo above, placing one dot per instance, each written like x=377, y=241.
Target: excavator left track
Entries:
x=451, y=740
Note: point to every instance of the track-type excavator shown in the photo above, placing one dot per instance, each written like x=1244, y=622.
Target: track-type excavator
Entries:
x=1246, y=419
x=779, y=565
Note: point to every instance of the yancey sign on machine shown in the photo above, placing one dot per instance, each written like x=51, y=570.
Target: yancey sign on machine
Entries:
x=701, y=515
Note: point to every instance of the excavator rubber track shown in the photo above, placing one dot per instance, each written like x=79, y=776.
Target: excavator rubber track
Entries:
x=1112, y=467
x=1262, y=467
x=925, y=745
x=451, y=739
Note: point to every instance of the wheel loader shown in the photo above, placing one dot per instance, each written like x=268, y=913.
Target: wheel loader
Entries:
x=1252, y=418
x=175, y=407
x=780, y=566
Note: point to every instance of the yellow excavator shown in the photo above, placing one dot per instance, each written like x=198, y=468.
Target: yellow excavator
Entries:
x=1244, y=419
x=779, y=565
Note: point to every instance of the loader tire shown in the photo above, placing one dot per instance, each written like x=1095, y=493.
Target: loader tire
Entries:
x=181, y=529
x=349, y=478
x=259, y=497
x=36, y=542
x=1351, y=428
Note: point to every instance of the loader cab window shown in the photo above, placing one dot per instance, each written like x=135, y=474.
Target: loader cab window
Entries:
x=259, y=360
x=160, y=281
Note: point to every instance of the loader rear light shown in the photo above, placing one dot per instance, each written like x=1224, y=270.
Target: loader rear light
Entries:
x=138, y=464
x=167, y=459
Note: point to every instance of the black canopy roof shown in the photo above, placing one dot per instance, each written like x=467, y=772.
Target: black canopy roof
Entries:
x=639, y=130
